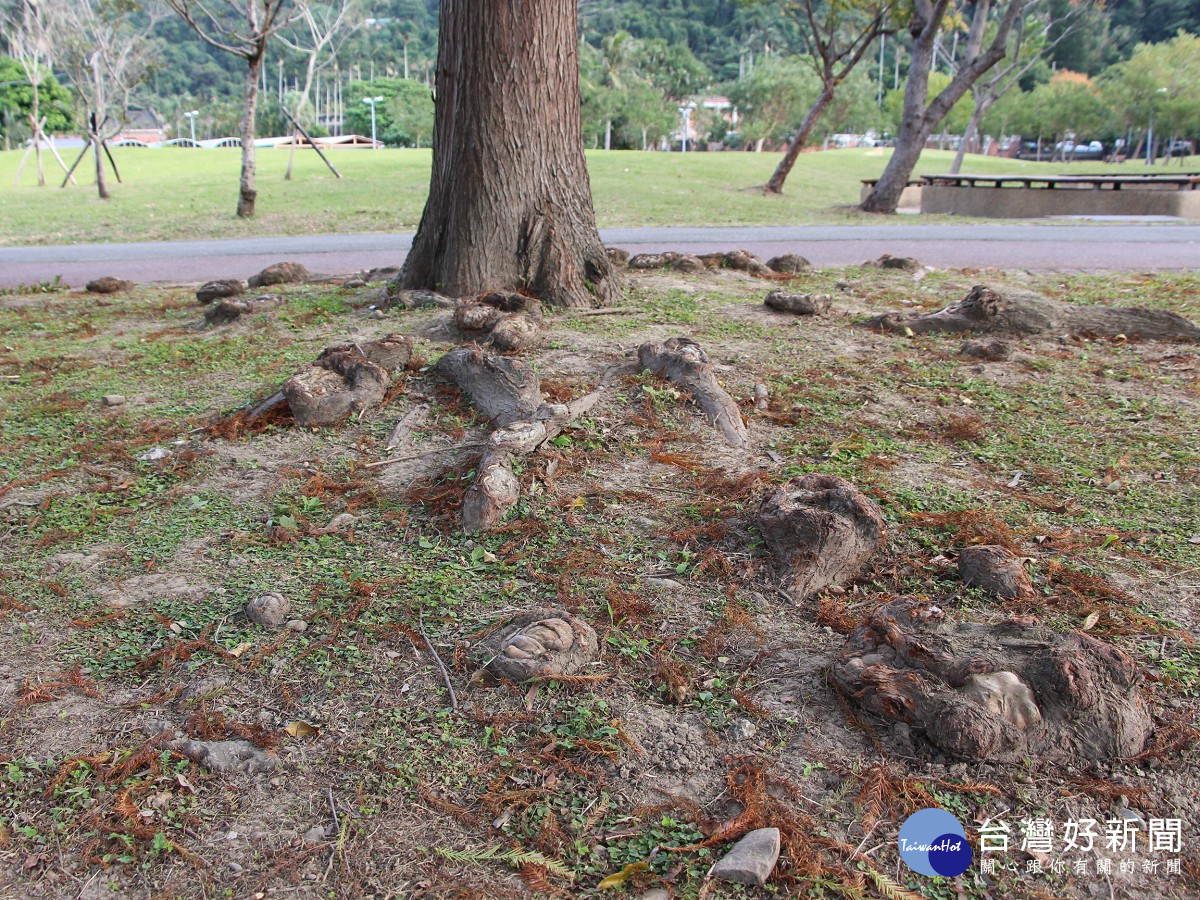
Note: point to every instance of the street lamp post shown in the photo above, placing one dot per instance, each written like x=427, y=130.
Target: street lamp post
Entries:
x=686, y=112
x=1150, y=130
x=191, y=117
x=371, y=101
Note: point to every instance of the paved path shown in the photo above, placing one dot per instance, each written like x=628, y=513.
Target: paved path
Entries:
x=1059, y=247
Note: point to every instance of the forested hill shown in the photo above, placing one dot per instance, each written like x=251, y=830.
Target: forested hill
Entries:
x=723, y=34
x=726, y=35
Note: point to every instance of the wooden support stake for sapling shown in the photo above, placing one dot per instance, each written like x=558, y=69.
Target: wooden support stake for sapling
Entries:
x=312, y=143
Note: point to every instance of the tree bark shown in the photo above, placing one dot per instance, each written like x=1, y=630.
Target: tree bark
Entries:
x=910, y=140
x=510, y=204
x=779, y=176
x=101, y=180
x=34, y=119
x=246, y=192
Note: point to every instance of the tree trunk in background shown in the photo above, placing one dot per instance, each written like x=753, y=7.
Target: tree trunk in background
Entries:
x=101, y=181
x=779, y=176
x=246, y=192
x=921, y=117
x=910, y=140
x=981, y=107
x=510, y=205
x=35, y=119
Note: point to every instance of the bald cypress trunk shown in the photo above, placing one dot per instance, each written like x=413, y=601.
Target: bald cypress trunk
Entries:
x=510, y=206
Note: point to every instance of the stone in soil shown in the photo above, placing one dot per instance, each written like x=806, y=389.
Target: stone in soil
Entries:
x=751, y=860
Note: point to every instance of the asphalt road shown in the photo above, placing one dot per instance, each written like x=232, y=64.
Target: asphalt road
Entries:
x=1061, y=247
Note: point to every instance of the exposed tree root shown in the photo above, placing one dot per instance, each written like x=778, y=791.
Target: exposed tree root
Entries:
x=822, y=530
x=539, y=643
x=508, y=321
x=508, y=393
x=996, y=570
x=985, y=310
x=1003, y=692
x=685, y=364
x=344, y=379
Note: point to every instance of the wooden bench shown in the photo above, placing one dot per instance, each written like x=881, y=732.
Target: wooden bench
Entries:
x=1183, y=182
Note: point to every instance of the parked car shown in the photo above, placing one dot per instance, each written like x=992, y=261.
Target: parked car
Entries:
x=1072, y=150
x=1178, y=148
x=1029, y=150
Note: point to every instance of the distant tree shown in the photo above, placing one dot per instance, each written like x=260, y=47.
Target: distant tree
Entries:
x=773, y=99
x=1080, y=34
x=17, y=104
x=1153, y=21
x=29, y=43
x=673, y=69
x=404, y=119
x=1035, y=38
x=629, y=89
x=1157, y=84
x=646, y=116
x=955, y=121
x=509, y=203
x=315, y=35
x=921, y=115
x=106, y=56
x=243, y=28
x=838, y=35
x=1068, y=105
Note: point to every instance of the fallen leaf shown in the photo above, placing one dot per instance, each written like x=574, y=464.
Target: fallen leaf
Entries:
x=618, y=879
x=1194, y=539
x=301, y=729
x=1090, y=622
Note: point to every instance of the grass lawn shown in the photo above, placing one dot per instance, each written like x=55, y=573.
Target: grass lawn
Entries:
x=176, y=194
x=125, y=571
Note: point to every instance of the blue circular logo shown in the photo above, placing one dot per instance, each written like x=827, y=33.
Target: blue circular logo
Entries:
x=933, y=842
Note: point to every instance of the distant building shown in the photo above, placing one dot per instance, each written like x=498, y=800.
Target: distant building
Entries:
x=144, y=126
